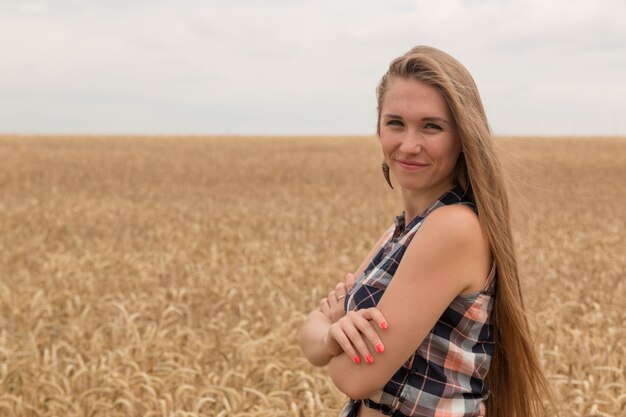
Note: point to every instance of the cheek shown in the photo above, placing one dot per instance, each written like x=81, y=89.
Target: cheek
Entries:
x=452, y=149
x=446, y=155
x=387, y=144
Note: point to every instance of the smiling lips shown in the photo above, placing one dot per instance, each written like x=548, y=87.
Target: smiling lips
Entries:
x=410, y=164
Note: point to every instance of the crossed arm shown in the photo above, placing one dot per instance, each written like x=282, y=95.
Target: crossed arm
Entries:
x=448, y=256
x=314, y=337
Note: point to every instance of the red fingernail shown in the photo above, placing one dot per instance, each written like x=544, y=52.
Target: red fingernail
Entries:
x=356, y=359
x=383, y=325
x=380, y=348
x=369, y=359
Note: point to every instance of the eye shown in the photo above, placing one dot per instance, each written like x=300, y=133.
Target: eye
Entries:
x=394, y=122
x=432, y=126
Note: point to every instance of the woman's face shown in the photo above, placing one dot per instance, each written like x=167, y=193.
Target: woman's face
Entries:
x=418, y=135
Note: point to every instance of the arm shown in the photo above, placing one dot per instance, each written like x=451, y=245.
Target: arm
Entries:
x=314, y=331
x=448, y=256
x=312, y=338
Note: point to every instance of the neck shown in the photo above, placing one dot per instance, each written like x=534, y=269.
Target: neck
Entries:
x=415, y=202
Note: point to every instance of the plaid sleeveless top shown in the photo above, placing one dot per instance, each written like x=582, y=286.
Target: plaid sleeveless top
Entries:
x=445, y=376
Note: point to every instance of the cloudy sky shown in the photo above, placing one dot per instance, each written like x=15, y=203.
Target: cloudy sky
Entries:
x=300, y=67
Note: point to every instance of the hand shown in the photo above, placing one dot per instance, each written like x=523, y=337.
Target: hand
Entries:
x=349, y=281
x=350, y=334
x=333, y=305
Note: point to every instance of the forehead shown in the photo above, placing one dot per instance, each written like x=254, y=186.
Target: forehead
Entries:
x=406, y=96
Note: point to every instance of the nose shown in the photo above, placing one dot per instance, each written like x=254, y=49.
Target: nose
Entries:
x=412, y=142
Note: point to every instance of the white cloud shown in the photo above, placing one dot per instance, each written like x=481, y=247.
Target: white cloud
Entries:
x=245, y=66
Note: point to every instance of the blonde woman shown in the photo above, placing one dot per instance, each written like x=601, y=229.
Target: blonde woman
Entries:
x=434, y=324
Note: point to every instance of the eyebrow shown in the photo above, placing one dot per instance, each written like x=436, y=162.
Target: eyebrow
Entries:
x=424, y=119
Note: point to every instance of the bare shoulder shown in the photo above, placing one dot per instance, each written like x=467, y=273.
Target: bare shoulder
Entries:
x=454, y=234
x=458, y=220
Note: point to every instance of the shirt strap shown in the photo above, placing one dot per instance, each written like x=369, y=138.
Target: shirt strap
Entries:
x=487, y=286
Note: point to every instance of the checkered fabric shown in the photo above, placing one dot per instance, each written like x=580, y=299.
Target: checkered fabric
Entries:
x=445, y=376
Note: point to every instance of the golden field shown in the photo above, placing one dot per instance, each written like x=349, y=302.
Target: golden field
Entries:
x=168, y=276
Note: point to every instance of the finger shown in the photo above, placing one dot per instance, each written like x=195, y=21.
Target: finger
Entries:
x=349, y=281
x=337, y=333
x=367, y=329
x=332, y=299
x=340, y=291
x=325, y=306
x=375, y=315
x=356, y=338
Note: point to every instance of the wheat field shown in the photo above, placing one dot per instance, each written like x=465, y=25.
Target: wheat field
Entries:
x=168, y=276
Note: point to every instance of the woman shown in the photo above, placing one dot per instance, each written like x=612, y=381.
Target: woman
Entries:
x=435, y=322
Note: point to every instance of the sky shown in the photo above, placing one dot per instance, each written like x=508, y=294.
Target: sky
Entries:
x=291, y=67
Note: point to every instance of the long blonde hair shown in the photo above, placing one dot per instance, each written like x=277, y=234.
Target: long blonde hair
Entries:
x=515, y=377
